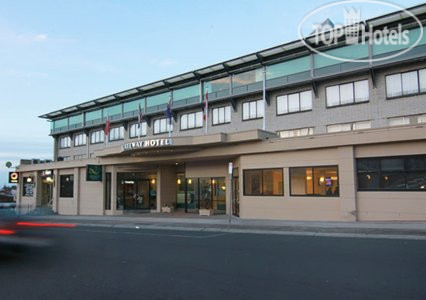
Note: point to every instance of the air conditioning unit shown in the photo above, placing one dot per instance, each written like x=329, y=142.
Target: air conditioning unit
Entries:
x=60, y=158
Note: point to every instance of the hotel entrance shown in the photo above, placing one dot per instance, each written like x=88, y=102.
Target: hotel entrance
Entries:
x=201, y=193
x=136, y=191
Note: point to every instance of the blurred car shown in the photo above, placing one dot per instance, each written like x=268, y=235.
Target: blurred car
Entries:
x=19, y=231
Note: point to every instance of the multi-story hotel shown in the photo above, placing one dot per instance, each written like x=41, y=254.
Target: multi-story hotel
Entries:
x=309, y=138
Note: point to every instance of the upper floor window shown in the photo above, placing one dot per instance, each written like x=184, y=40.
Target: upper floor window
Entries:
x=97, y=137
x=191, y=120
x=347, y=93
x=162, y=125
x=80, y=139
x=253, y=110
x=65, y=142
x=407, y=83
x=221, y=115
x=294, y=102
x=116, y=133
x=137, y=129
x=349, y=126
x=398, y=121
x=296, y=132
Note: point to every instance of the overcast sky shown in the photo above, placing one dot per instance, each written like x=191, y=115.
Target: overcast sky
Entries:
x=54, y=54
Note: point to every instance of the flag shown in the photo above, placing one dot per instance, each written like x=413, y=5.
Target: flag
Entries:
x=107, y=126
x=206, y=109
x=140, y=119
x=169, y=115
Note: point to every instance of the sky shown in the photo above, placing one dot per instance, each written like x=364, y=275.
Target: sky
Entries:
x=56, y=53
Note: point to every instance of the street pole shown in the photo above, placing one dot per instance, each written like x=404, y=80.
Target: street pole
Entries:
x=231, y=172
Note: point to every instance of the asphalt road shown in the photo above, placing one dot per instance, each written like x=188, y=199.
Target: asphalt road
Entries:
x=102, y=263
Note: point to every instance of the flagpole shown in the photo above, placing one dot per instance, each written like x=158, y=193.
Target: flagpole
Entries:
x=206, y=109
x=140, y=121
x=170, y=115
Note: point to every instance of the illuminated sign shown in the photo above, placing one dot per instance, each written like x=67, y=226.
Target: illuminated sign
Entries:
x=155, y=143
x=13, y=177
x=94, y=173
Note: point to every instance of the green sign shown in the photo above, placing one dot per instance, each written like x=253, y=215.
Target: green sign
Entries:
x=94, y=173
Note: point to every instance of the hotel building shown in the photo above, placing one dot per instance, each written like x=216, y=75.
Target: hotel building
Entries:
x=309, y=138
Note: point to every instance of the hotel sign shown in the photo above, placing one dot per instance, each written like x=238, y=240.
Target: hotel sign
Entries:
x=155, y=143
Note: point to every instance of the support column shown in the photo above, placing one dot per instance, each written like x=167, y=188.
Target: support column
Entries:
x=77, y=190
x=347, y=183
x=55, y=192
x=113, y=190
x=228, y=194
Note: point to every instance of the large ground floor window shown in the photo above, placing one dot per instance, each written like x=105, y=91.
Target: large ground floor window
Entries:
x=66, y=188
x=314, y=181
x=401, y=173
x=201, y=193
x=263, y=182
x=136, y=191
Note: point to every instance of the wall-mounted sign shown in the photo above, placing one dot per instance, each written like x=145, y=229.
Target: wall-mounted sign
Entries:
x=155, y=143
x=13, y=177
x=94, y=173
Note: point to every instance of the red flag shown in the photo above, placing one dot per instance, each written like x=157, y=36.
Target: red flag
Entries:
x=107, y=126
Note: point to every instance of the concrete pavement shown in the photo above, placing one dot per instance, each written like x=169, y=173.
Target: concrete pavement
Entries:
x=222, y=223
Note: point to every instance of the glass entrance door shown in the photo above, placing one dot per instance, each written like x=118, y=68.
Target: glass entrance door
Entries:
x=136, y=194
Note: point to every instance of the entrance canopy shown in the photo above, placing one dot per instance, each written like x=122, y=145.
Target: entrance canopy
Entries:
x=187, y=144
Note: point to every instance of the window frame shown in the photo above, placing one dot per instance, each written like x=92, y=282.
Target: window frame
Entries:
x=300, y=107
x=61, y=194
x=137, y=135
x=68, y=144
x=76, y=138
x=354, y=102
x=312, y=168
x=120, y=138
x=101, y=141
x=402, y=87
x=167, y=124
x=187, y=121
x=219, y=107
x=261, y=184
x=379, y=172
x=249, y=102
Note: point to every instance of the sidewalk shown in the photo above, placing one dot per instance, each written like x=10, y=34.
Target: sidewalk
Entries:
x=177, y=221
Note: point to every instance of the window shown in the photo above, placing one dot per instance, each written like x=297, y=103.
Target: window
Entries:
x=347, y=93
x=65, y=142
x=66, y=189
x=28, y=187
x=421, y=119
x=116, y=133
x=191, y=120
x=264, y=182
x=79, y=156
x=221, y=115
x=407, y=83
x=253, y=110
x=399, y=173
x=348, y=126
x=294, y=102
x=314, y=181
x=296, y=132
x=80, y=139
x=97, y=137
x=137, y=129
x=162, y=126
x=398, y=121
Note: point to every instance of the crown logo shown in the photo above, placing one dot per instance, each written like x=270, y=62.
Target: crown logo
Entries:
x=352, y=16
